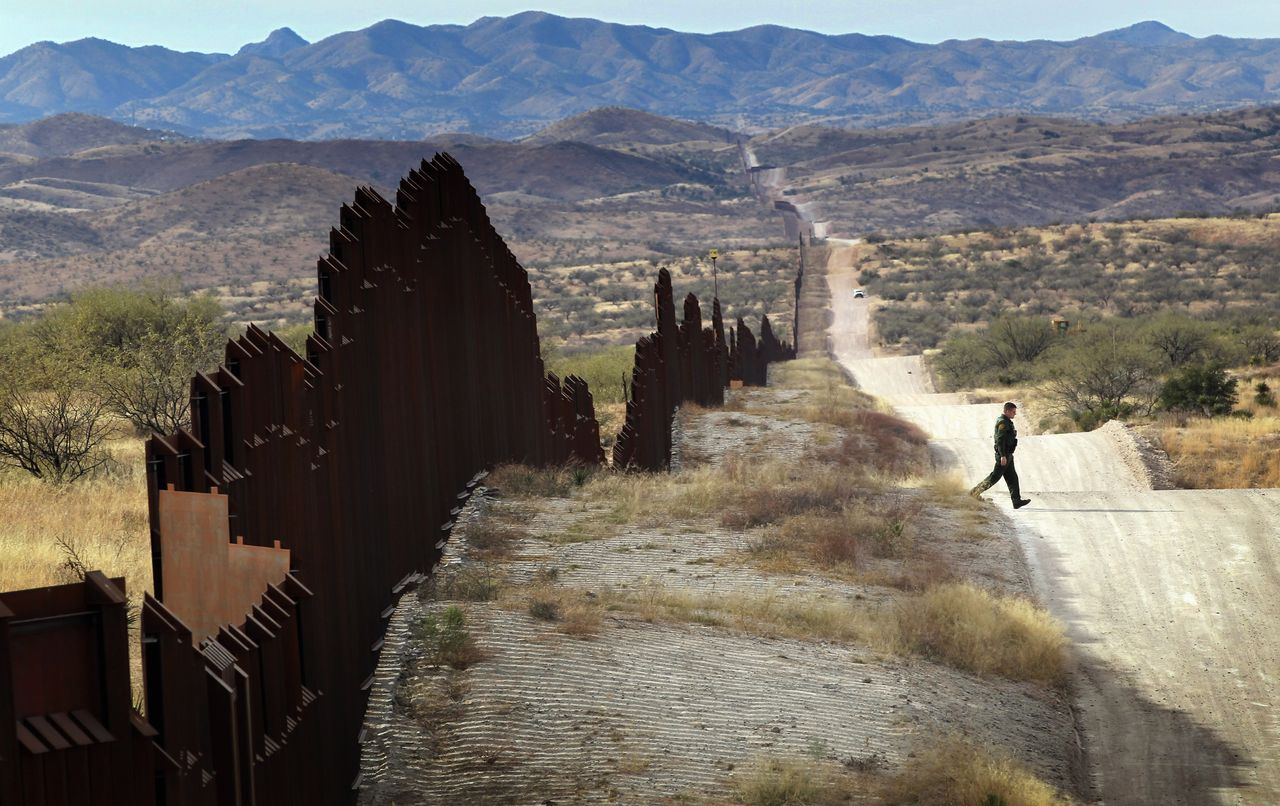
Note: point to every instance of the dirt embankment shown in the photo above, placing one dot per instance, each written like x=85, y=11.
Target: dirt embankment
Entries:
x=644, y=707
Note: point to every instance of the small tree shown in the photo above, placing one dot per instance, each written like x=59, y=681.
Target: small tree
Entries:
x=1261, y=343
x=1015, y=339
x=1202, y=389
x=55, y=434
x=1179, y=339
x=1103, y=376
x=149, y=382
x=963, y=361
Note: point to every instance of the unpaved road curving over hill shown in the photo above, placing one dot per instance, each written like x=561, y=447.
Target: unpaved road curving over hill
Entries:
x=1171, y=597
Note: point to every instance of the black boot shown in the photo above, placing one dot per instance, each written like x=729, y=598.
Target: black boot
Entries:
x=1021, y=502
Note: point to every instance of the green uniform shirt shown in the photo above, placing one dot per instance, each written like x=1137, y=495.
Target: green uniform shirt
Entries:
x=1006, y=437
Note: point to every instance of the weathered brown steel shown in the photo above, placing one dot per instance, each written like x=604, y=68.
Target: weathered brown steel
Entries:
x=309, y=491
x=424, y=369
x=68, y=732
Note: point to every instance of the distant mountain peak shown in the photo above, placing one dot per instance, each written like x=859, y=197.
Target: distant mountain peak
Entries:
x=278, y=43
x=1149, y=32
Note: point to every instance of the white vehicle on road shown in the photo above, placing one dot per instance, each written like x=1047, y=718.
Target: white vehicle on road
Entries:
x=858, y=293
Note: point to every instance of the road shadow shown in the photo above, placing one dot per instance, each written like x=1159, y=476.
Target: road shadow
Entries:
x=1135, y=750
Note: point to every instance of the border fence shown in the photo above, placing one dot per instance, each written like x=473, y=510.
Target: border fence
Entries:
x=308, y=493
x=686, y=362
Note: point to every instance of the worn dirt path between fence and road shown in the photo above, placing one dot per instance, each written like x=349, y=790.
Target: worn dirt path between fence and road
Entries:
x=1171, y=597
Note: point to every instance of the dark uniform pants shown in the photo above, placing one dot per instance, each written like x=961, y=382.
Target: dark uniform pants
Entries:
x=1010, y=476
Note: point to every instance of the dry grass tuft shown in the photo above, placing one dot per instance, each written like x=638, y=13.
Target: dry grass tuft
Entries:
x=574, y=612
x=488, y=540
x=794, y=782
x=1225, y=452
x=525, y=481
x=882, y=527
x=768, y=613
x=890, y=445
x=958, y=773
x=975, y=630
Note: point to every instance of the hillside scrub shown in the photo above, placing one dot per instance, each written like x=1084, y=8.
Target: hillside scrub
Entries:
x=1109, y=368
x=1203, y=268
x=607, y=371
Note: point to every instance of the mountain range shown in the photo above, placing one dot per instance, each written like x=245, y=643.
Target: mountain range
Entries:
x=510, y=76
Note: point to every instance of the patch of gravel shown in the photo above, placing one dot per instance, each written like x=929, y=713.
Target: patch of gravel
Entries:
x=717, y=432
x=1149, y=463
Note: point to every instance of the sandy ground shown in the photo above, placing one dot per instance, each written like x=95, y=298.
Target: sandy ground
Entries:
x=1172, y=597
x=650, y=712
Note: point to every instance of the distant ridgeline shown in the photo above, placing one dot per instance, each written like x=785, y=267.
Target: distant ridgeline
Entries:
x=510, y=76
x=309, y=492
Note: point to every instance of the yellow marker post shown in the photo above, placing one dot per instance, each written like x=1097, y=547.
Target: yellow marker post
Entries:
x=715, y=280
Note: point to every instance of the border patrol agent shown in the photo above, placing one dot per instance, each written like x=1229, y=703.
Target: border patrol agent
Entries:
x=1006, y=442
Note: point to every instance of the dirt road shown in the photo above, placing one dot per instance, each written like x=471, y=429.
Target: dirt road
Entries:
x=1171, y=597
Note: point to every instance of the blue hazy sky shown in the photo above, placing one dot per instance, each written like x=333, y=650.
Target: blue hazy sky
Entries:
x=223, y=26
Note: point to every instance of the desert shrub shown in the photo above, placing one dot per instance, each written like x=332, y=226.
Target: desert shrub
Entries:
x=50, y=426
x=469, y=582
x=446, y=640
x=959, y=773
x=1019, y=339
x=1202, y=389
x=1262, y=394
x=888, y=444
x=487, y=540
x=770, y=503
x=973, y=629
x=577, y=613
x=526, y=481
x=544, y=609
x=1260, y=342
x=778, y=782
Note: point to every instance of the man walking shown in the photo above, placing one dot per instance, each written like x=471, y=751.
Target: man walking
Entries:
x=1006, y=444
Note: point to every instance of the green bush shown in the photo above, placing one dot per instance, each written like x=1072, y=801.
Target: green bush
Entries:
x=1199, y=389
x=446, y=639
x=1262, y=394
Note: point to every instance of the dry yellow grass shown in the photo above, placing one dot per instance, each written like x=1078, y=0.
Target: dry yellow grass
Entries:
x=767, y=612
x=1225, y=452
x=102, y=520
x=574, y=612
x=958, y=773
x=981, y=632
x=797, y=782
x=48, y=534
x=956, y=624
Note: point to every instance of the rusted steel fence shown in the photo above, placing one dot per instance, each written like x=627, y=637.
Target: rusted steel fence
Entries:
x=308, y=492
x=685, y=362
